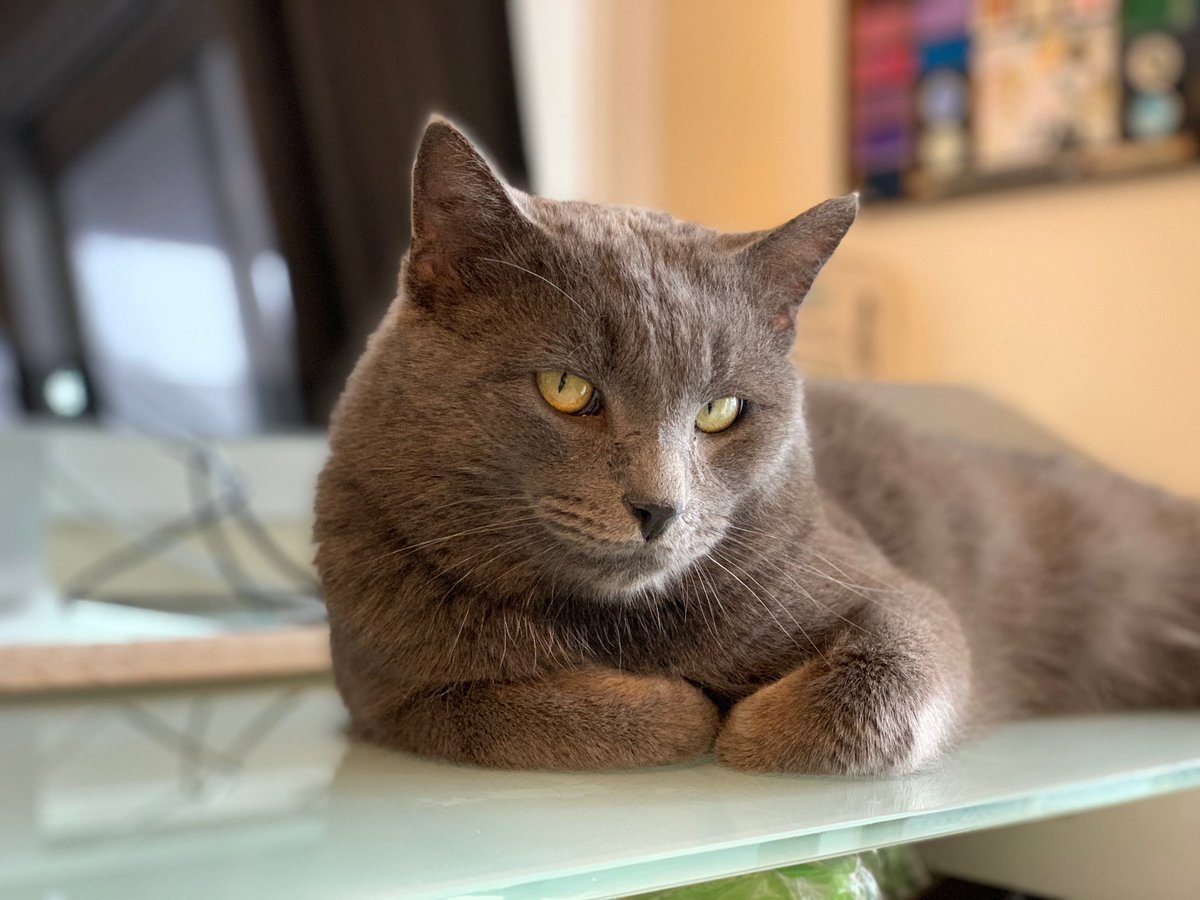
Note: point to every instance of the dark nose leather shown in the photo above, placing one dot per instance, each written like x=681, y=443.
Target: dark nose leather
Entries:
x=653, y=518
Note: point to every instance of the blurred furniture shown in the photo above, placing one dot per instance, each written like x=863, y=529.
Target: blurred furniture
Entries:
x=138, y=258
x=128, y=559
x=204, y=203
x=953, y=96
x=337, y=102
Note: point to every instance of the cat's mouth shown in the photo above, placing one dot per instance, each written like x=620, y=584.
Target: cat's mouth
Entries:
x=619, y=570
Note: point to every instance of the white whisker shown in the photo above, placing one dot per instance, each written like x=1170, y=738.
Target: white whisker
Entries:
x=506, y=526
x=777, y=602
x=796, y=584
x=503, y=262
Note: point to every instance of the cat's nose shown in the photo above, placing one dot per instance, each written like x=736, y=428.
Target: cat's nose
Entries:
x=652, y=518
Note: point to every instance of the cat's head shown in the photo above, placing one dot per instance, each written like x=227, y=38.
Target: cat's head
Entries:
x=577, y=395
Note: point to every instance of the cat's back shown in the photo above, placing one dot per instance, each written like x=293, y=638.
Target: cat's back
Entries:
x=953, y=412
x=1026, y=545
x=953, y=488
x=868, y=438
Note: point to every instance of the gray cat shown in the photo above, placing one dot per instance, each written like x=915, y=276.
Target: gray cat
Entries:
x=579, y=513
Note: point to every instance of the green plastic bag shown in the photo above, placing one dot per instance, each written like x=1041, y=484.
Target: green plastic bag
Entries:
x=894, y=873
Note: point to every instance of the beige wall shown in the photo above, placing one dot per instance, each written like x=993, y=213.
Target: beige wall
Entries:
x=1079, y=304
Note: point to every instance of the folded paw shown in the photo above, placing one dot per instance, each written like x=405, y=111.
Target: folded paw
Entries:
x=858, y=716
x=587, y=718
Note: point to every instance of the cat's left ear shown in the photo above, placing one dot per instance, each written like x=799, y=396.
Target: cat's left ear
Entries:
x=787, y=259
x=460, y=206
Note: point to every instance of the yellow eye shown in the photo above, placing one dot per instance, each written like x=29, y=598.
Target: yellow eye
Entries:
x=717, y=415
x=568, y=393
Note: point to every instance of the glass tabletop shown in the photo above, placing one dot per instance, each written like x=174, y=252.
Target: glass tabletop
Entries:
x=253, y=791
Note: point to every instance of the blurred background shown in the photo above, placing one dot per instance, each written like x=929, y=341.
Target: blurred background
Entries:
x=203, y=206
x=203, y=203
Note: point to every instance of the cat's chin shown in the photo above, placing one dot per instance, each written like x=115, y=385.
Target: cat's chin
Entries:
x=633, y=581
x=627, y=589
x=626, y=573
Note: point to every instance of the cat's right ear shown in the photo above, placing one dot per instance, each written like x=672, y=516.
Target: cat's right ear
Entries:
x=788, y=258
x=460, y=206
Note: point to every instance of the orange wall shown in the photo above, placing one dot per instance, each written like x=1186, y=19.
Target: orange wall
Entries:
x=1079, y=304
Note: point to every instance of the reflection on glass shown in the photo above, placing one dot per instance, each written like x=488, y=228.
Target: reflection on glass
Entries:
x=100, y=794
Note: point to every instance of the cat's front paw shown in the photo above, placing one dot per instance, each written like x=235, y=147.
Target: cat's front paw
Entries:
x=858, y=716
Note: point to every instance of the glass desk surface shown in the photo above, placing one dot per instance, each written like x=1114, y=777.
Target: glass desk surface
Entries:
x=253, y=791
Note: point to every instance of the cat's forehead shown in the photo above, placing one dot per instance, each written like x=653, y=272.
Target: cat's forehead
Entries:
x=659, y=296
x=591, y=228
x=627, y=255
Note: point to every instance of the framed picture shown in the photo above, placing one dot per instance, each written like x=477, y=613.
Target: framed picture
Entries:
x=954, y=96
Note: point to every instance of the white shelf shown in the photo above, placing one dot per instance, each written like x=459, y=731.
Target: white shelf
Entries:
x=254, y=791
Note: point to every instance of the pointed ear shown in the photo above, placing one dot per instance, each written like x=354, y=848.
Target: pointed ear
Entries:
x=459, y=205
x=788, y=258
